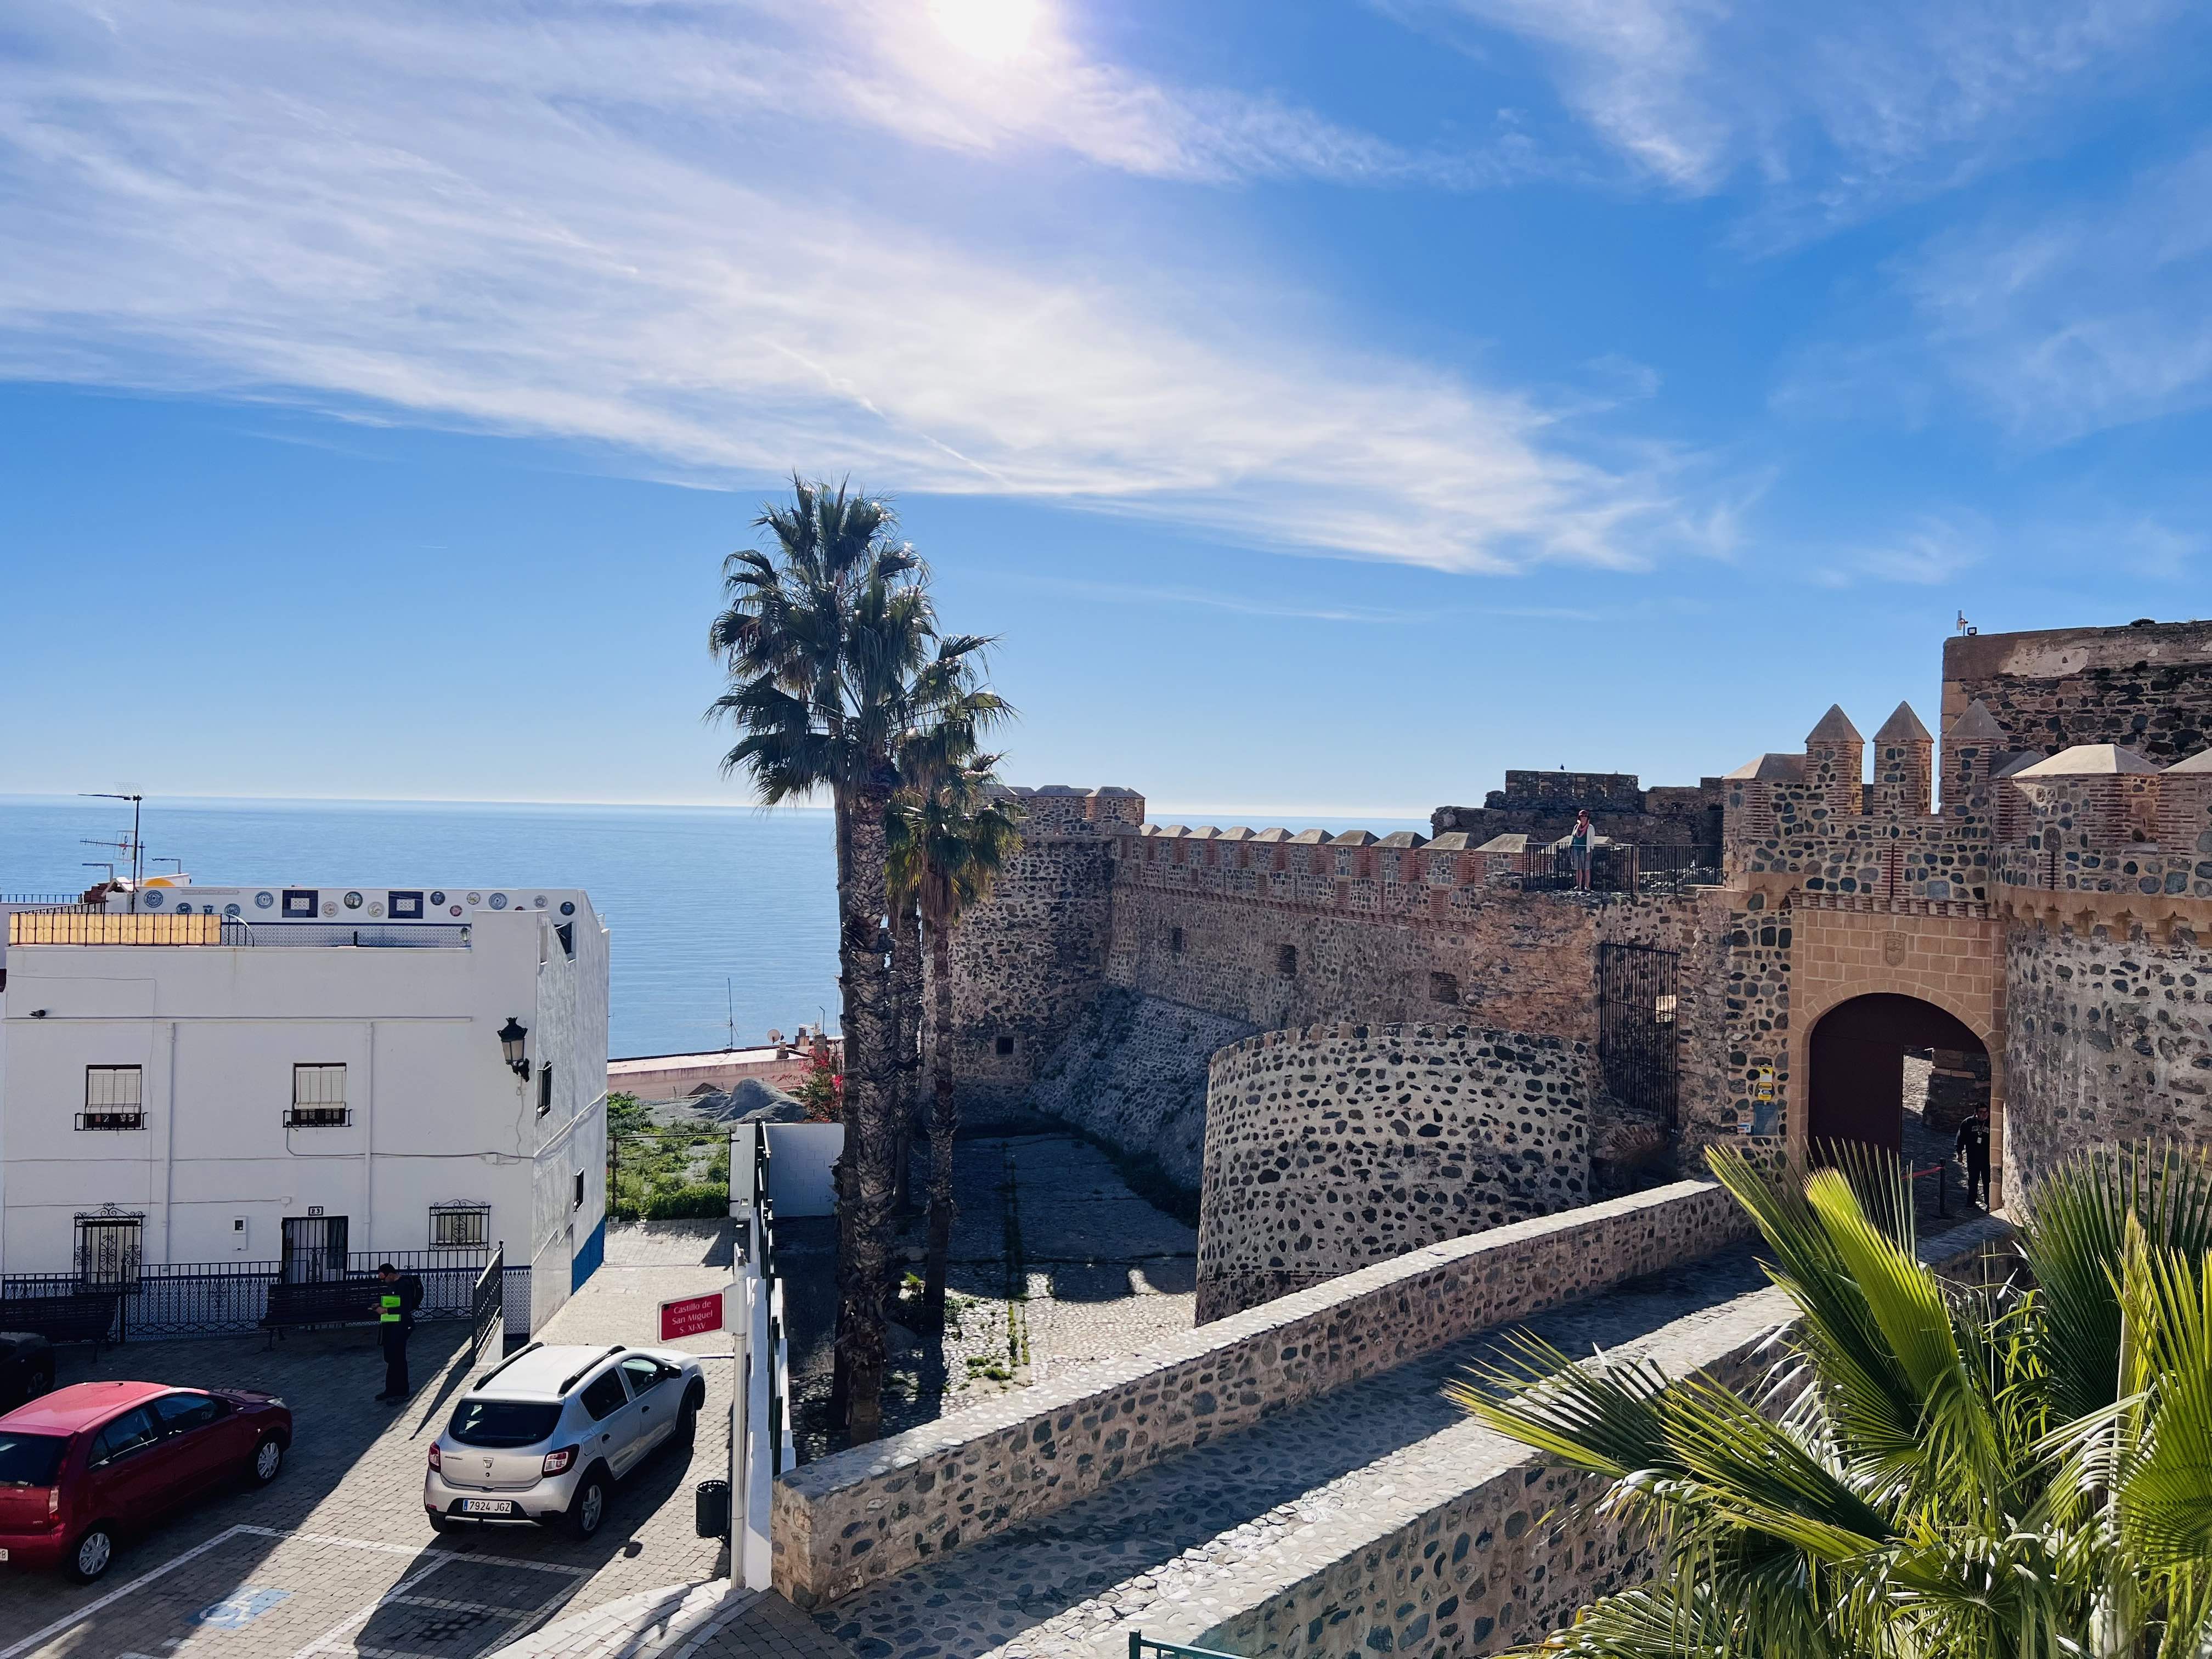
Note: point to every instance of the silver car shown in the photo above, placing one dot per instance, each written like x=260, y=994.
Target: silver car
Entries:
x=542, y=1437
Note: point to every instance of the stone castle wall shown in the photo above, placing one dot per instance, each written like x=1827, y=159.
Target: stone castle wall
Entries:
x=1334, y=1147
x=1544, y=805
x=2149, y=687
x=2108, y=1038
x=1279, y=948
x=1028, y=964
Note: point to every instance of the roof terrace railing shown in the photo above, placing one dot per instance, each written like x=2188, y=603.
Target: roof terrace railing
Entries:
x=88, y=925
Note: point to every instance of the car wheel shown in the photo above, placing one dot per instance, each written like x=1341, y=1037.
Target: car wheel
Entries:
x=687, y=1427
x=268, y=1460
x=590, y=1507
x=95, y=1549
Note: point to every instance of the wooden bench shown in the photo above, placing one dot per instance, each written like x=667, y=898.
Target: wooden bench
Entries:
x=321, y=1302
x=77, y=1316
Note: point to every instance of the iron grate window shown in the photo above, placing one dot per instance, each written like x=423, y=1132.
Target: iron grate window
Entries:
x=1638, y=1040
x=319, y=1097
x=459, y=1227
x=1287, y=960
x=115, y=1097
x=544, y=1089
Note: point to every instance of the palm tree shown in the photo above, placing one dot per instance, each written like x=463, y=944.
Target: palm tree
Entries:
x=834, y=659
x=1945, y=1470
x=949, y=840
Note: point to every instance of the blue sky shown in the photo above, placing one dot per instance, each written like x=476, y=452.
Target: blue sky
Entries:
x=1330, y=405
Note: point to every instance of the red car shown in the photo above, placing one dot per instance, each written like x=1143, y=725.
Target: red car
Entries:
x=80, y=1466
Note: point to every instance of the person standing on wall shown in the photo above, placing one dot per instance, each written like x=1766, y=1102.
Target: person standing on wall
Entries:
x=1578, y=850
x=397, y=1298
x=1974, y=1153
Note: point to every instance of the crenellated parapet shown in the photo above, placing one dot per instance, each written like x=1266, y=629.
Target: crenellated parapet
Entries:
x=2102, y=819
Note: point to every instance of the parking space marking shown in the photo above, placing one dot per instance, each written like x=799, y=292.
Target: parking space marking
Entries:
x=435, y=1559
x=66, y=1619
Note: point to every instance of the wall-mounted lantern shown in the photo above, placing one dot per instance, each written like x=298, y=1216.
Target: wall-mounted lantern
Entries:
x=512, y=1038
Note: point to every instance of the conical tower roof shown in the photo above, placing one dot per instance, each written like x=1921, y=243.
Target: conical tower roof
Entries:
x=1902, y=727
x=2195, y=764
x=1835, y=727
x=2086, y=760
x=1977, y=725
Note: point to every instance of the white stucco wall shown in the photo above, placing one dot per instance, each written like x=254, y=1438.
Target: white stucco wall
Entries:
x=437, y=1116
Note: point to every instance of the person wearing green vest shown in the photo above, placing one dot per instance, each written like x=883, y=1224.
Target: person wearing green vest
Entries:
x=395, y=1318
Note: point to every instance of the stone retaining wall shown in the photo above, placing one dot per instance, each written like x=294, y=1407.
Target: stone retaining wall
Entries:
x=1467, y=1559
x=1333, y=1147
x=866, y=1514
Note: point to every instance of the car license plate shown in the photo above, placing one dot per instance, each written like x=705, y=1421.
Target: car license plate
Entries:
x=3, y=1555
x=487, y=1506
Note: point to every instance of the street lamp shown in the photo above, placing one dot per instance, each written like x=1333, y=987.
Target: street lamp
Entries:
x=512, y=1037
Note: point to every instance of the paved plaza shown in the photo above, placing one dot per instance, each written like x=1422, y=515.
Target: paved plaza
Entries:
x=1055, y=1262
x=335, y=1557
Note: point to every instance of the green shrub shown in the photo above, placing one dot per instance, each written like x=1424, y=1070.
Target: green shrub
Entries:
x=686, y=1203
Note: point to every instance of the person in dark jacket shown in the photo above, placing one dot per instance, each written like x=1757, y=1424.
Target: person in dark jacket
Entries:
x=1974, y=1153
x=397, y=1298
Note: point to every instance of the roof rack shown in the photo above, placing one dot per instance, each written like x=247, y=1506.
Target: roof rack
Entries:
x=569, y=1383
x=505, y=1363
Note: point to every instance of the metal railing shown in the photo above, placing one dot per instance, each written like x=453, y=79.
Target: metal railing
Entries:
x=400, y=936
x=231, y=1298
x=1625, y=868
x=114, y=1118
x=1142, y=1646
x=486, y=1302
x=322, y=1117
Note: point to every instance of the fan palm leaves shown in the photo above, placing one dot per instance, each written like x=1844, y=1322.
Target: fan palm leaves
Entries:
x=2022, y=1469
x=949, y=839
x=836, y=668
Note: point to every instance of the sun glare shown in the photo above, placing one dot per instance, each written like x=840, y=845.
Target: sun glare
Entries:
x=994, y=30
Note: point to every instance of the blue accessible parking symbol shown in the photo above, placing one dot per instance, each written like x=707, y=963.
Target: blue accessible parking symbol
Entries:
x=239, y=1609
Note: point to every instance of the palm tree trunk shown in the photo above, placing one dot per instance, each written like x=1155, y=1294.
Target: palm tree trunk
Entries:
x=944, y=1121
x=870, y=1100
x=906, y=982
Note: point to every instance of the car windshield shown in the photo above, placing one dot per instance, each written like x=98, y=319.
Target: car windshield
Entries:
x=29, y=1460
x=503, y=1422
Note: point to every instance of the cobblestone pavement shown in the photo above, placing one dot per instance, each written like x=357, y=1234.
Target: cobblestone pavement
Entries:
x=1171, y=1536
x=336, y=1558
x=1055, y=1262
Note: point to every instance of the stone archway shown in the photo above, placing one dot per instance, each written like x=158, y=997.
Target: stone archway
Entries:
x=1856, y=1066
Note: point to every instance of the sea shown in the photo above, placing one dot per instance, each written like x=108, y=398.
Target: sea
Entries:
x=722, y=920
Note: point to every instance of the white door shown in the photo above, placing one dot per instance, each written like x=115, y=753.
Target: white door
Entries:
x=655, y=1399
x=614, y=1422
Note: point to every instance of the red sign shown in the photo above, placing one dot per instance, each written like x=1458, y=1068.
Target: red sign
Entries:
x=691, y=1315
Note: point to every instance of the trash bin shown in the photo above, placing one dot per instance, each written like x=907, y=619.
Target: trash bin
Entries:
x=711, y=1507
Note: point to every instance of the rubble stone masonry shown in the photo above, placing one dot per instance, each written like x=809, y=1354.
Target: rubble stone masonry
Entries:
x=1339, y=1146
x=2148, y=686
x=2109, y=1038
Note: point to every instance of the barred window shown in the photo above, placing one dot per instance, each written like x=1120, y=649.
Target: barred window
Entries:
x=115, y=1097
x=459, y=1227
x=318, y=1097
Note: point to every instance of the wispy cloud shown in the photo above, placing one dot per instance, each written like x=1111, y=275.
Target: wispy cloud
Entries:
x=1261, y=604
x=624, y=225
x=2052, y=322
x=1826, y=113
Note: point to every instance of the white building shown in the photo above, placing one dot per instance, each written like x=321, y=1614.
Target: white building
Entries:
x=227, y=1074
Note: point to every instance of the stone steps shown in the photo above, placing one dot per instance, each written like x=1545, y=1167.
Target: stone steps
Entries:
x=1237, y=1524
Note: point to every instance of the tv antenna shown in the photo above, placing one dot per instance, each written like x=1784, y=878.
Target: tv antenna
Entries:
x=136, y=847
x=730, y=993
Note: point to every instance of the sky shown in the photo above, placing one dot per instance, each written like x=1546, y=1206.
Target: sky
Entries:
x=1327, y=406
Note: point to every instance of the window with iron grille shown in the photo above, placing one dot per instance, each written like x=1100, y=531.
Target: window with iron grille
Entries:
x=459, y=1227
x=319, y=1097
x=544, y=1089
x=1287, y=960
x=115, y=1097
x=109, y=1247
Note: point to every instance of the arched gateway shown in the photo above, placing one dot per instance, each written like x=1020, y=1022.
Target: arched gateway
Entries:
x=1857, y=1057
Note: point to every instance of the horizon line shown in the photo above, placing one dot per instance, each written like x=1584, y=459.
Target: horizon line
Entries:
x=1154, y=810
